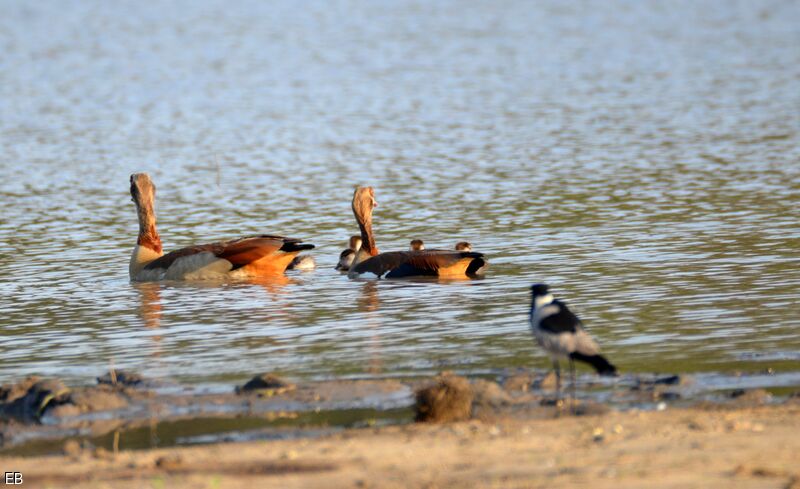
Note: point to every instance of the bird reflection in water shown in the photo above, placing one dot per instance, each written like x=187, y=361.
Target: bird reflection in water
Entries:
x=151, y=308
x=273, y=285
x=368, y=302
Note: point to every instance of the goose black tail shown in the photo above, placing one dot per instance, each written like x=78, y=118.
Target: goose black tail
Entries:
x=476, y=266
x=599, y=363
x=289, y=247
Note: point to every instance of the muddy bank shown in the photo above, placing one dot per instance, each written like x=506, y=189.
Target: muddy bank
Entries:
x=125, y=411
x=693, y=447
x=35, y=410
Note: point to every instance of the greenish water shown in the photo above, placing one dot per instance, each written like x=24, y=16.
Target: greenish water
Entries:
x=202, y=430
x=643, y=158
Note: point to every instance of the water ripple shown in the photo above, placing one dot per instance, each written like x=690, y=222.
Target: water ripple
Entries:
x=649, y=173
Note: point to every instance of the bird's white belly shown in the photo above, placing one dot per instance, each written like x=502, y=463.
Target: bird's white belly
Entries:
x=556, y=344
x=352, y=274
x=200, y=266
x=562, y=344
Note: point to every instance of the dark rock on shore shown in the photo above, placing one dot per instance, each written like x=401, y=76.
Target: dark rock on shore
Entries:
x=30, y=399
x=750, y=397
x=266, y=385
x=449, y=399
x=664, y=388
x=121, y=377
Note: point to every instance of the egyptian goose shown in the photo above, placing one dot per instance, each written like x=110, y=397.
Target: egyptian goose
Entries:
x=398, y=264
x=346, y=256
x=251, y=256
x=561, y=334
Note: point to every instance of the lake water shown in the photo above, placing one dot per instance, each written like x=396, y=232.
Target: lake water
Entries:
x=642, y=157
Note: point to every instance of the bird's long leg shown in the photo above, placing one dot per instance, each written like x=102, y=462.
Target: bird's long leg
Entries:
x=557, y=369
x=573, y=380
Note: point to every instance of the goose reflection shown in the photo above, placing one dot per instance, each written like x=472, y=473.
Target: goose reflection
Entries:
x=150, y=309
x=368, y=302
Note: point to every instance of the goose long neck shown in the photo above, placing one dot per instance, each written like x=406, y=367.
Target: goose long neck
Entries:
x=367, y=238
x=148, y=235
x=363, y=203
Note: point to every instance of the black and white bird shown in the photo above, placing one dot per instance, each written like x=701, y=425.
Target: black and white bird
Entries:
x=558, y=331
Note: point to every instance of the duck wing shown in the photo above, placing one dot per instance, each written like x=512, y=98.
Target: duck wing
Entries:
x=399, y=264
x=239, y=252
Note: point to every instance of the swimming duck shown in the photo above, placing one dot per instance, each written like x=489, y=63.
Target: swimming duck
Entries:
x=399, y=264
x=346, y=256
x=561, y=334
x=463, y=246
x=302, y=262
x=250, y=256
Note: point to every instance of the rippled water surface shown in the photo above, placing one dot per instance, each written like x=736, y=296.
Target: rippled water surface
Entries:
x=642, y=157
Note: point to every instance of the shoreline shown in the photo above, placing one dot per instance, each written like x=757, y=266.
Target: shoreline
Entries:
x=38, y=415
x=685, y=447
x=479, y=433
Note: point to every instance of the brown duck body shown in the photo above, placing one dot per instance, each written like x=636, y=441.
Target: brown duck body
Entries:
x=251, y=256
x=425, y=263
x=402, y=264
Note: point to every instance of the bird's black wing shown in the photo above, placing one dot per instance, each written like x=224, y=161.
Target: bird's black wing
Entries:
x=564, y=321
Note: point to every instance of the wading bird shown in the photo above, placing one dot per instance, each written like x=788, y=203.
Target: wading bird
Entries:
x=559, y=332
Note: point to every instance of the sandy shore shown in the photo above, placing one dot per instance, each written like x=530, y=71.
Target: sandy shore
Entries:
x=728, y=447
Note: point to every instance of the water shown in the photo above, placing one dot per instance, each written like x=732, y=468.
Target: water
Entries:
x=641, y=157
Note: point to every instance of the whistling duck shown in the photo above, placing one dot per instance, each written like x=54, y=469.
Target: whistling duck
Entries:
x=418, y=245
x=251, y=256
x=398, y=264
x=302, y=262
x=346, y=256
x=559, y=332
x=463, y=246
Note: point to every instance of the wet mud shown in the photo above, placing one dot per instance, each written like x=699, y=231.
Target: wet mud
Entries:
x=40, y=416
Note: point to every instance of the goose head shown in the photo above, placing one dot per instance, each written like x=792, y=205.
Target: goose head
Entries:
x=143, y=191
x=143, y=194
x=363, y=203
